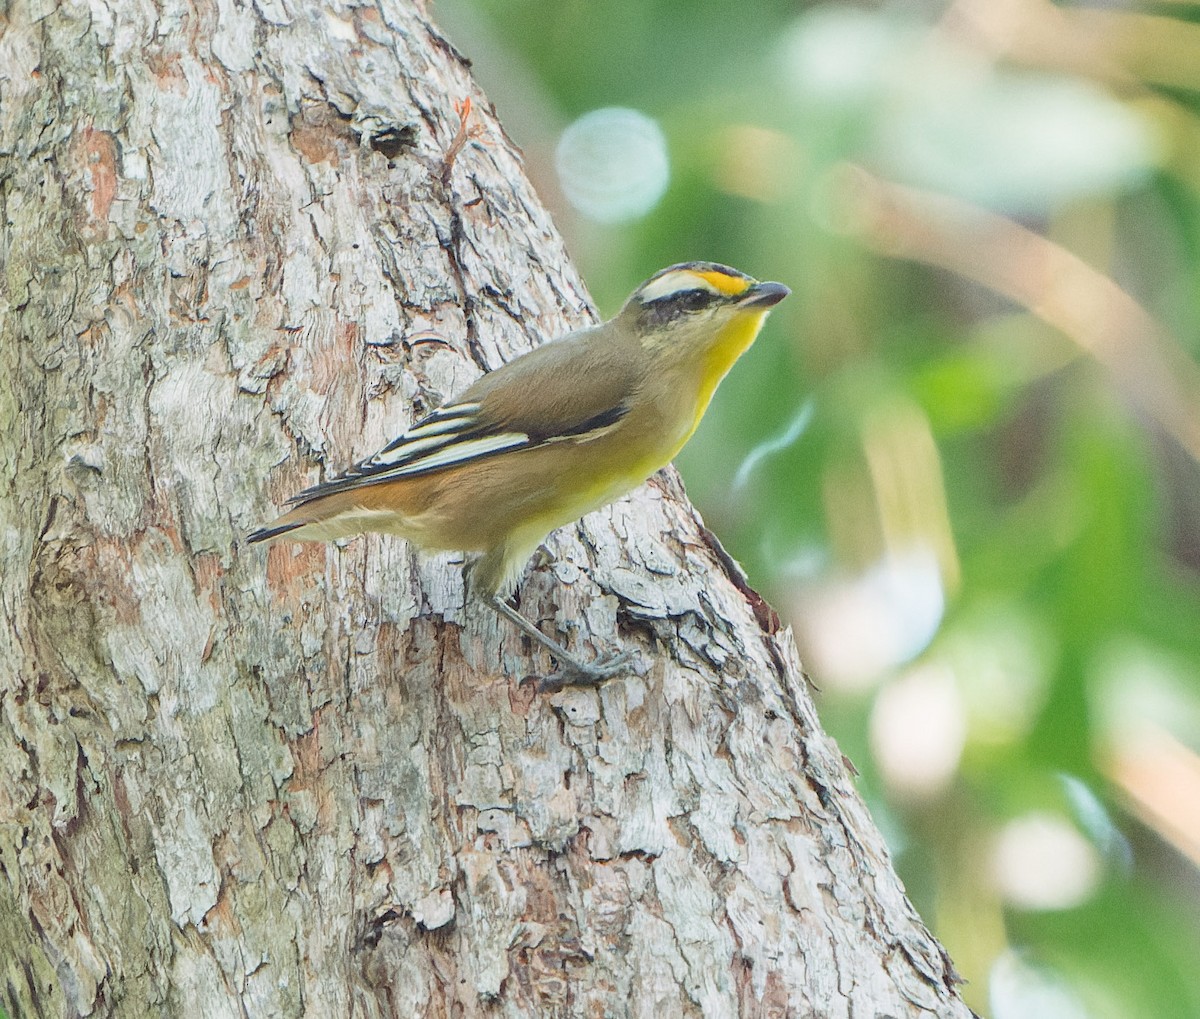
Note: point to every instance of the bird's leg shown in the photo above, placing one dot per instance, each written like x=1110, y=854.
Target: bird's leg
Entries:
x=571, y=671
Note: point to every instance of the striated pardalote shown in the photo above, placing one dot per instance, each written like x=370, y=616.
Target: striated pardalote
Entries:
x=552, y=435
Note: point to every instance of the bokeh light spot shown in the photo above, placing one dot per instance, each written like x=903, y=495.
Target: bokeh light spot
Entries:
x=612, y=164
x=1041, y=861
x=918, y=731
x=1021, y=990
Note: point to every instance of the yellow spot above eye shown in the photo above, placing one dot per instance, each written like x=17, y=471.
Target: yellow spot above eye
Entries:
x=673, y=282
x=724, y=283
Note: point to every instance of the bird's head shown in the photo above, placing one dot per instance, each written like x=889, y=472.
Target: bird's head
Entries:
x=695, y=305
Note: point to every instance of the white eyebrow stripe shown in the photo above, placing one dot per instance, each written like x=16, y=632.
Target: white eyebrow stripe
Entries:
x=462, y=452
x=676, y=282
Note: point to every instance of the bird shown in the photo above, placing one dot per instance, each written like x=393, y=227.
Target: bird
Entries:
x=548, y=437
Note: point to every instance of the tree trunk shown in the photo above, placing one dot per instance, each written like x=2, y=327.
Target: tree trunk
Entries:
x=244, y=246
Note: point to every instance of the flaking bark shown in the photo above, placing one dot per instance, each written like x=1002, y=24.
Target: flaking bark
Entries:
x=243, y=246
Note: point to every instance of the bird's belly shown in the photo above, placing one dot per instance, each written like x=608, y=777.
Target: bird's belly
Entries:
x=552, y=486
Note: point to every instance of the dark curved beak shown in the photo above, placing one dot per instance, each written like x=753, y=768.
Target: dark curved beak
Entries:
x=764, y=295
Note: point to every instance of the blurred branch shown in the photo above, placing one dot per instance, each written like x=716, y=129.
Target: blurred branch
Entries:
x=1145, y=361
x=1108, y=45
x=1160, y=778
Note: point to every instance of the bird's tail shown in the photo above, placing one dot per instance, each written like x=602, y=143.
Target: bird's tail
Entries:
x=339, y=514
x=274, y=530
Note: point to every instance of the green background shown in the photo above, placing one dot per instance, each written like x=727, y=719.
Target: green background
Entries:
x=962, y=458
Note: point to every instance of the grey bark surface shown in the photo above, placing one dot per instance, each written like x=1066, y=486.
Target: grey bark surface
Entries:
x=242, y=247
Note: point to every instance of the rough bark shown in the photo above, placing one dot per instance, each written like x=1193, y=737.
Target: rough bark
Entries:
x=244, y=245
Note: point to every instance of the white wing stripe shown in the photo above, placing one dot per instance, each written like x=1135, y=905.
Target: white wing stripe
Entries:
x=406, y=450
x=432, y=427
x=580, y=437
x=424, y=435
x=462, y=451
x=453, y=410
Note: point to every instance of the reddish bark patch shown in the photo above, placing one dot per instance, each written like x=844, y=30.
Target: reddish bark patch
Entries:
x=100, y=156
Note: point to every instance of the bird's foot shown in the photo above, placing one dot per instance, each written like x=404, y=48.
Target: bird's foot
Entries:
x=572, y=672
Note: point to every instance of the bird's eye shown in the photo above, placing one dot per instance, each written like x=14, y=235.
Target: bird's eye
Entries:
x=680, y=302
x=693, y=299
x=690, y=300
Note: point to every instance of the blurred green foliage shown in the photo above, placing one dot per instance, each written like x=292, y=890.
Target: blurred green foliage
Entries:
x=962, y=459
